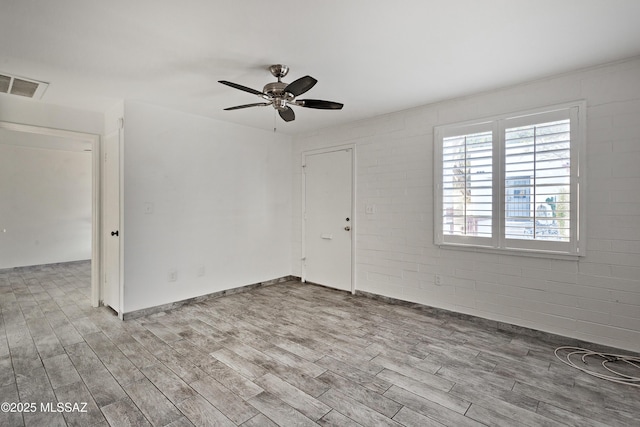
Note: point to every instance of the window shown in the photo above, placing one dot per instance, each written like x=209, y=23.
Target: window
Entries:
x=512, y=182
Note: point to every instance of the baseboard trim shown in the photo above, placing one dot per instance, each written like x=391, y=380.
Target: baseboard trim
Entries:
x=502, y=327
x=173, y=305
x=43, y=266
x=440, y=313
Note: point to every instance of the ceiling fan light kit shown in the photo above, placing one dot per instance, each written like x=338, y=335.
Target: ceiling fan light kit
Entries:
x=281, y=95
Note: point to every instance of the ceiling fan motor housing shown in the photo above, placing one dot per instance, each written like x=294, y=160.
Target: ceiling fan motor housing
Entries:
x=275, y=88
x=276, y=92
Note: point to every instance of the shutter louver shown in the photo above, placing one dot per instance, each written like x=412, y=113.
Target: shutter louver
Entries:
x=467, y=185
x=537, y=181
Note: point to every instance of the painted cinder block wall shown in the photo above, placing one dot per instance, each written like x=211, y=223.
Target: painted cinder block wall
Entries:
x=596, y=298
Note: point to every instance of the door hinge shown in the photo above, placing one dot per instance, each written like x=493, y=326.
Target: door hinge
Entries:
x=121, y=123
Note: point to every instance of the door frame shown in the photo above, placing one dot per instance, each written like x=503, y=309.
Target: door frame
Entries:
x=120, y=133
x=354, y=222
x=96, y=194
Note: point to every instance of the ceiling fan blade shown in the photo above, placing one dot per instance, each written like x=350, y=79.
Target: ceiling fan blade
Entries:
x=301, y=85
x=319, y=104
x=258, y=104
x=287, y=114
x=244, y=88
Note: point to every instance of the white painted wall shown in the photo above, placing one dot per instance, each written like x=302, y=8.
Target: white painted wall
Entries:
x=45, y=208
x=596, y=298
x=26, y=111
x=112, y=118
x=220, y=196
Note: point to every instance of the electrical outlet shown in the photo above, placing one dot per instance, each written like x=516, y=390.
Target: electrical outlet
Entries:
x=172, y=276
x=370, y=209
x=437, y=280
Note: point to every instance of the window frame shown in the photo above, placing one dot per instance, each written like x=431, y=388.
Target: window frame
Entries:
x=498, y=242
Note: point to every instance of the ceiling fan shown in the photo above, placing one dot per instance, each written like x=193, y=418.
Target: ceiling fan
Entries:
x=281, y=95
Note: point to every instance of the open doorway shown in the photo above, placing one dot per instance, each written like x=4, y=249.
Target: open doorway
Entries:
x=44, y=161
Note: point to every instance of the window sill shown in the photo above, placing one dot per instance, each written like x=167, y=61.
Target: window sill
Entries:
x=511, y=251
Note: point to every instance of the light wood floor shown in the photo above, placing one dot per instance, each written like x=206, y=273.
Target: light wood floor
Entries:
x=287, y=354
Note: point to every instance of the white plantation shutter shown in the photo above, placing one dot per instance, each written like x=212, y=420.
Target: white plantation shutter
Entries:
x=511, y=183
x=467, y=184
x=466, y=179
x=542, y=153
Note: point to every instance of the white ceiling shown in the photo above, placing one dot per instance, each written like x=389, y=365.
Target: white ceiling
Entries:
x=375, y=56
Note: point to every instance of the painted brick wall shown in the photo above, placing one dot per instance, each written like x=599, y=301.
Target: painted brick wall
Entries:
x=596, y=298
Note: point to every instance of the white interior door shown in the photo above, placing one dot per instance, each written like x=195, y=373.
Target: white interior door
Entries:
x=111, y=229
x=328, y=213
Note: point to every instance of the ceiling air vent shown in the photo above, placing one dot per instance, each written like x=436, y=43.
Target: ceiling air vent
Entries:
x=14, y=85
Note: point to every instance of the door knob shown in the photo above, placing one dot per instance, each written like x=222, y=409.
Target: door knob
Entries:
x=347, y=228
x=114, y=233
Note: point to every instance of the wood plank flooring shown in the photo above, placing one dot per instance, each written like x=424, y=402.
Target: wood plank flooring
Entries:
x=283, y=355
